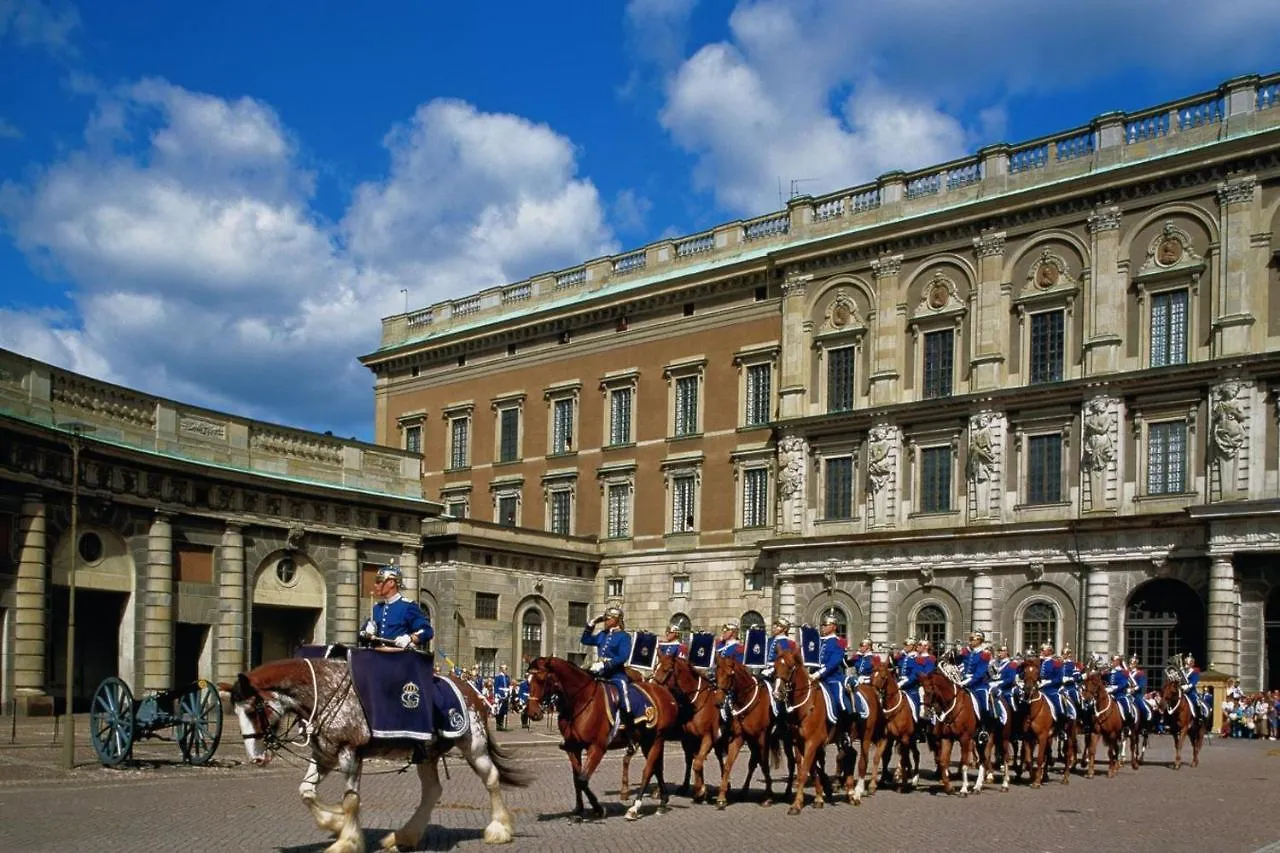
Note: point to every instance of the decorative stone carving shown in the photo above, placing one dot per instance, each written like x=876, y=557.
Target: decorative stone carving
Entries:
x=926, y=576
x=295, y=538
x=1099, y=425
x=1170, y=249
x=1227, y=431
x=793, y=453
x=1035, y=571
x=201, y=426
x=982, y=451
x=842, y=314
x=1240, y=191
x=989, y=244
x=886, y=266
x=880, y=457
x=297, y=446
x=103, y=401
x=1104, y=219
x=1048, y=273
x=939, y=296
x=796, y=283
x=985, y=452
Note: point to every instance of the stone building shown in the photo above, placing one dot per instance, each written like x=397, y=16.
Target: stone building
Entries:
x=1031, y=391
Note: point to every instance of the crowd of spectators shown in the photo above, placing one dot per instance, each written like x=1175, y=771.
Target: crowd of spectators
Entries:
x=1252, y=715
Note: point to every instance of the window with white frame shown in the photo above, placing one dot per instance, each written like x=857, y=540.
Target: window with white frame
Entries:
x=619, y=389
x=755, y=497
x=455, y=507
x=613, y=588
x=459, y=450
x=759, y=404
x=1169, y=314
x=684, y=380
x=837, y=488
x=562, y=414
x=935, y=479
x=939, y=363
x=1044, y=468
x=560, y=509
x=509, y=429
x=1167, y=457
x=753, y=580
x=680, y=586
x=1047, y=346
x=1038, y=625
x=684, y=503
x=840, y=378
x=931, y=625
x=413, y=438
x=619, y=510
x=506, y=502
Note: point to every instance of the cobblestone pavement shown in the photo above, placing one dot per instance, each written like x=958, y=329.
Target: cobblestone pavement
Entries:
x=1229, y=804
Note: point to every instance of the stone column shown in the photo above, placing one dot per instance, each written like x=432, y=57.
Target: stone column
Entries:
x=794, y=379
x=409, y=568
x=990, y=316
x=345, y=620
x=1242, y=267
x=787, y=600
x=887, y=336
x=982, y=602
x=30, y=637
x=880, y=610
x=1097, y=612
x=157, y=620
x=1224, y=615
x=1106, y=294
x=233, y=637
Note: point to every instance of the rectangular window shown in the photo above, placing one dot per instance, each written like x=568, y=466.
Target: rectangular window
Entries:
x=507, y=505
x=759, y=389
x=753, y=581
x=838, y=483
x=1048, y=345
x=509, y=434
x=561, y=502
x=755, y=497
x=562, y=426
x=619, y=510
x=840, y=379
x=486, y=605
x=413, y=438
x=456, y=507
x=935, y=479
x=487, y=662
x=1044, y=469
x=680, y=585
x=577, y=613
x=620, y=416
x=459, y=433
x=939, y=355
x=1167, y=458
x=1169, y=328
x=682, y=503
x=686, y=405
x=613, y=588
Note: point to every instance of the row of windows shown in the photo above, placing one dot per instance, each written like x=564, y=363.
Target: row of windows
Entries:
x=1038, y=624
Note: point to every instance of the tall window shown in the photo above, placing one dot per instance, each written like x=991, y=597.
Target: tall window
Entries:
x=1039, y=625
x=680, y=586
x=759, y=390
x=413, y=438
x=577, y=613
x=561, y=511
x=935, y=479
x=931, y=625
x=686, y=422
x=487, y=662
x=750, y=619
x=939, y=355
x=507, y=508
x=620, y=415
x=839, y=379
x=562, y=425
x=459, y=435
x=456, y=507
x=1048, y=346
x=1167, y=458
x=613, y=588
x=1044, y=469
x=619, y=522
x=755, y=497
x=531, y=633
x=486, y=605
x=509, y=434
x=838, y=483
x=683, y=494
x=1169, y=328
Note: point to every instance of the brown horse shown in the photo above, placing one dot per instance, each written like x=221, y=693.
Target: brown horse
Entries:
x=955, y=721
x=1109, y=726
x=899, y=726
x=751, y=722
x=1040, y=727
x=587, y=724
x=805, y=705
x=699, y=703
x=869, y=732
x=1183, y=722
x=324, y=716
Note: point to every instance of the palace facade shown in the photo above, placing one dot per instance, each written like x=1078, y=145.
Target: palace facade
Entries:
x=1032, y=391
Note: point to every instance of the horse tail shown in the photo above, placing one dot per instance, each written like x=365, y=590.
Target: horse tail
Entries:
x=775, y=753
x=510, y=774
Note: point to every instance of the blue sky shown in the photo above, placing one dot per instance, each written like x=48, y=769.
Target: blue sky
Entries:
x=217, y=202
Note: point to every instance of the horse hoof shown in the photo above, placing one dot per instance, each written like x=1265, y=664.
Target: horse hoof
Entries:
x=793, y=810
x=721, y=805
x=632, y=815
x=575, y=818
x=766, y=803
x=663, y=808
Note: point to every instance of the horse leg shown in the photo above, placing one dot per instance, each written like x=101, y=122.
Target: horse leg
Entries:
x=501, y=828
x=860, y=774
x=587, y=768
x=1069, y=760
x=410, y=835
x=699, y=765
x=624, y=789
x=942, y=757
x=966, y=757
x=1114, y=754
x=575, y=768
x=803, y=772
x=652, y=756
x=735, y=745
x=759, y=749
x=327, y=817
x=350, y=838
x=1090, y=752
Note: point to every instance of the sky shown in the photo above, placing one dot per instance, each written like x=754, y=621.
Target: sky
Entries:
x=218, y=202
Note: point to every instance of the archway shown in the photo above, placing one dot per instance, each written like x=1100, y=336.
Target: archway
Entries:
x=1164, y=619
x=288, y=606
x=1272, y=622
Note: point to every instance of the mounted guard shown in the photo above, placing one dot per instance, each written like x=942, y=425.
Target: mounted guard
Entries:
x=1004, y=672
x=1138, y=692
x=399, y=622
x=1071, y=676
x=830, y=670
x=1191, y=686
x=671, y=643
x=728, y=644
x=613, y=645
x=976, y=663
x=907, y=673
x=1051, y=684
x=1121, y=687
x=861, y=664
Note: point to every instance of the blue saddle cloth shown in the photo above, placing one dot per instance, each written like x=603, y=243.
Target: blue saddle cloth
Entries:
x=397, y=689
x=639, y=701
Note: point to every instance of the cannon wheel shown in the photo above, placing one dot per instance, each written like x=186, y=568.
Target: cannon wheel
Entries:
x=111, y=722
x=199, y=726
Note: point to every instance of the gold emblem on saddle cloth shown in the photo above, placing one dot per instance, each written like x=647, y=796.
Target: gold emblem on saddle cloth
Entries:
x=410, y=695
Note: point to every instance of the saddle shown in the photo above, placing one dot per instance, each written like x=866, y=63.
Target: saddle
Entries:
x=642, y=707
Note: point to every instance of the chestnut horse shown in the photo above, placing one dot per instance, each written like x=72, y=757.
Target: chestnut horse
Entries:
x=1109, y=726
x=585, y=723
x=867, y=731
x=325, y=717
x=1040, y=727
x=955, y=721
x=699, y=704
x=751, y=722
x=805, y=705
x=899, y=726
x=1183, y=722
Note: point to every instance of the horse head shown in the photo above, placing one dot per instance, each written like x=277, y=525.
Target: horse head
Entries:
x=544, y=688
x=1170, y=696
x=261, y=700
x=671, y=675
x=1029, y=670
x=788, y=669
x=884, y=680
x=1093, y=690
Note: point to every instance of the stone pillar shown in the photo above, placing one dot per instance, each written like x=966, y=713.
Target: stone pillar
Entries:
x=157, y=620
x=30, y=638
x=1097, y=613
x=346, y=613
x=1242, y=267
x=787, y=600
x=794, y=380
x=880, y=610
x=887, y=336
x=233, y=637
x=984, y=467
x=409, y=568
x=990, y=316
x=982, y=602
x=1104, y=326
x=1224, y=616
x=793, y=491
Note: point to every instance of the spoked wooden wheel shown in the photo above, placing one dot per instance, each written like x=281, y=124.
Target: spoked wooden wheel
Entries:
x=199, y=726
x=111, y=722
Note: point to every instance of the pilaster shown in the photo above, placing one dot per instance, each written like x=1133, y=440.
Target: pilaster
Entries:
x=983, y=604
x=346, y=613
x=1108, y=279
x=157, y=624
x=1242, y=267
x=880, y=610
x=409, y=568
x=990, y=316
x=787, y=600
x=1097, y=624
x=1224, y=616
x=887, y=359
x=233, y=645
x=793, y=382
x=793, y=493
x=30, y=637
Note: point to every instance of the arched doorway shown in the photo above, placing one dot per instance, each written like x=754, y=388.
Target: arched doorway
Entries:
x=1272, y=623
x=1165, y=618
x=288, y=606
x=750, y=619
x=531, y=634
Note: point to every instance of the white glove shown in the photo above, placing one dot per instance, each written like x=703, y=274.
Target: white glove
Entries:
x=597, y=667
x=369, y=629
x=403, y=641
x=815, y=677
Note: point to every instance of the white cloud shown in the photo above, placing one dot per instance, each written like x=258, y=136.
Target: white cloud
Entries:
x=9, y=130
x=659, y=29
x=198, y=267
x=33, y=23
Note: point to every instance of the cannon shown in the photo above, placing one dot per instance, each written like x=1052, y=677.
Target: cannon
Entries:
x=193, y=713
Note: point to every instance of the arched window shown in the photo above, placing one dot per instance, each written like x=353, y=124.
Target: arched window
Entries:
x=750, y=619
x=682, y=621
x=842, y=619
x=1039, y=625
x=931, y=625
x=531, y=634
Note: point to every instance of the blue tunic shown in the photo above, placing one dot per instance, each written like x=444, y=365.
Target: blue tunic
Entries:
x=731, y=649
x=672, y=648
x=614, y=648
x=831, y=671
x=400, y=616
x=502, y=690
x=863, y=665
x=977, y=672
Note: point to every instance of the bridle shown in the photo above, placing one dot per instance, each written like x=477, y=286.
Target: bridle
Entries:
x=731, y=692
x=258, y=710
x=784, y=690
x=673, y=673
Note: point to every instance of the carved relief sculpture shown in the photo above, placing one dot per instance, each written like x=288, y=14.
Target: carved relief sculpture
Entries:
x=982, y=454
x=1228, y=432
x=792, y=454
x=880, y=471
x=1098, y=451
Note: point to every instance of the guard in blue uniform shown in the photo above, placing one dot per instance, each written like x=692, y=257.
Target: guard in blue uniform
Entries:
x=1120, y=686
x=671, y=645
x=1191, y=686
x=1071, y=676
x=779, y=642
x=907, y=672
x=1051, y=683
x=401, y=621
x=1004, y=675
x=522, y=701
x=613, y=645
x=502, y=692
x=728, y=643
x=861, y=664
x=976, y=663
x=830, y=673
x=925, y=661
x=1138, y=692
